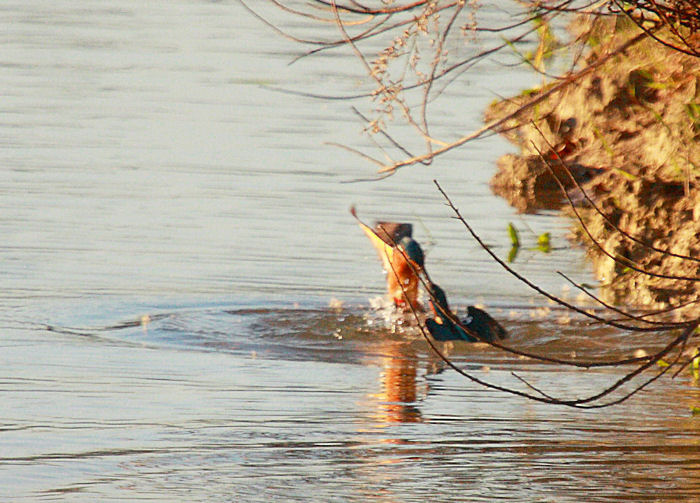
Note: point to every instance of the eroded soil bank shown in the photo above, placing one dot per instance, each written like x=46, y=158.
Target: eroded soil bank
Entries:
x=629, y=132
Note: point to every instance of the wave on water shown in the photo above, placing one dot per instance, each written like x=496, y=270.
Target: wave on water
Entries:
x=349, y=333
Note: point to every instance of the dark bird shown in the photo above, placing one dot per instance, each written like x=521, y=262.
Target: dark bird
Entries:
x=480, y=326
x=401, y=256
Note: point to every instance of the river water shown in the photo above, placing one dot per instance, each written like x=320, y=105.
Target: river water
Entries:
x=175, y=245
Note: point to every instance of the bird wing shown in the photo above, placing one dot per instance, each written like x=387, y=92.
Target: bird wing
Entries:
x=439, y=331
x=484, y=325
x=447, y=331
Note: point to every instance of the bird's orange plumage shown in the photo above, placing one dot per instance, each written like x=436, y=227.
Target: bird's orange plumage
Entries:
x=398, y=270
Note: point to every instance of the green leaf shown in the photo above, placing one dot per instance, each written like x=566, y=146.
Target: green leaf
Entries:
x=513, y=233
x=695, y=411
x=662, y=363
x=543, y=242
x=512, y=254
x=693, y=111
x=626, y=174
x=657, y=85
x=604, y=143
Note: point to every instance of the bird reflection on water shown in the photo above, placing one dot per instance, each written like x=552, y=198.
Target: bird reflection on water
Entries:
x=396, y=401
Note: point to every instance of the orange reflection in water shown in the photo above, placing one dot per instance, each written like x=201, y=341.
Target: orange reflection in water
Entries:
x=396, y=401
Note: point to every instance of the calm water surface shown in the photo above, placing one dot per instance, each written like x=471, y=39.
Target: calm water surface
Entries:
x=173, y=233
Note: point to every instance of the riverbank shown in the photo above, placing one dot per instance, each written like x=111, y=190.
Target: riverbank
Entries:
x=629, y=132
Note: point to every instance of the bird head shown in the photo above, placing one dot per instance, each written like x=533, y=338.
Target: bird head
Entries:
x=438, y=300
x=413, y=251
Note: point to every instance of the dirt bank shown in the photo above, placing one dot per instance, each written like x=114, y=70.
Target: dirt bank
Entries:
x=629, y=131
